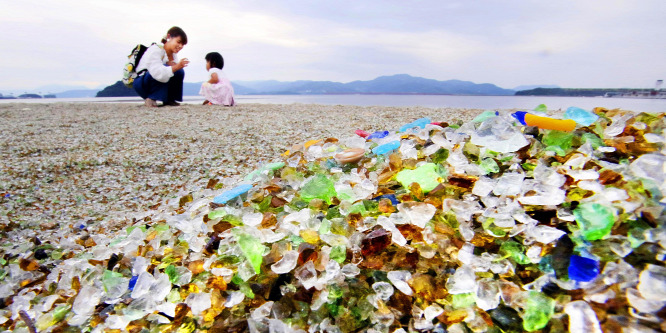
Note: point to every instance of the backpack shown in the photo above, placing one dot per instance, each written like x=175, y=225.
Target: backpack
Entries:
x=129, y=71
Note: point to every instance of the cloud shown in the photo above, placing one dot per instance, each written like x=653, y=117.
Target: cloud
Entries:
x=509, y=43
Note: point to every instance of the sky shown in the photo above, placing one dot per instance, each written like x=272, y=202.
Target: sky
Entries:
x=569, y=43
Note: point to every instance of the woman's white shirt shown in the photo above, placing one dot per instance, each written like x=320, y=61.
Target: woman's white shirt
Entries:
x=154, y=60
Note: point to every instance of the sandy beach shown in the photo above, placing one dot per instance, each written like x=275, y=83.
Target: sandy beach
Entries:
x=69, y=163
x=121, y=217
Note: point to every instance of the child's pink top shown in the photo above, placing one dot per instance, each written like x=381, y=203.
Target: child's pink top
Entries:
x=220, y=93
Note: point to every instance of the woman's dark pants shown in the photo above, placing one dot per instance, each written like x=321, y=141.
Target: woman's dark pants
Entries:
x=168, y=92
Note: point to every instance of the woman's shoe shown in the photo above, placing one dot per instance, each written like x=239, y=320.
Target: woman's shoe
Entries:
x=172, y=103
x=150, y=103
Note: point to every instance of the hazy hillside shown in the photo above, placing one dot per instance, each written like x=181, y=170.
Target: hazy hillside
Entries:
x=117, y=89
x=77, y=93
x=192, y=89
x=394, y=84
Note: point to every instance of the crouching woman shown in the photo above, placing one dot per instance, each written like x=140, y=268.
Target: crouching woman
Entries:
x=161, y=72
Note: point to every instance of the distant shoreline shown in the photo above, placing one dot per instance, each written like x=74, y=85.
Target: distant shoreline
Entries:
x=594, y=92
x=622, y=93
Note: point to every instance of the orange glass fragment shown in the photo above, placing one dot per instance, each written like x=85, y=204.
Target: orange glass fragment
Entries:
x=196, y=267
x=217, y=282
x=386, y=207
x=28, y=264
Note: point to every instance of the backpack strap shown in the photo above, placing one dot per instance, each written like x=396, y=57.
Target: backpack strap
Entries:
x=141, y=72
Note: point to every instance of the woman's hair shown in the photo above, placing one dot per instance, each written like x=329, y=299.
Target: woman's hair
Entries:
x=176, y=32
x=215, y=59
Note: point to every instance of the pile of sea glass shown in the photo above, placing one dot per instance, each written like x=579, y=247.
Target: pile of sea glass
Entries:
x=489, y=226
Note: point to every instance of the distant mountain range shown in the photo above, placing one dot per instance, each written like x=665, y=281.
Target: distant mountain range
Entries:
x=63, y=91
x=394, y=84
x=77, y=93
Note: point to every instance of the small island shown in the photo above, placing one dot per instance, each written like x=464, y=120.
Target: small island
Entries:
x=655, y=92
x=117, y=89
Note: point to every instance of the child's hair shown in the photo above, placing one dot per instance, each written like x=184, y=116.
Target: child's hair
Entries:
x=215, y=59
x=176, y=32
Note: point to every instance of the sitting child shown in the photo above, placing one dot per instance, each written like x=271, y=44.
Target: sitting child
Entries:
x=217, y=90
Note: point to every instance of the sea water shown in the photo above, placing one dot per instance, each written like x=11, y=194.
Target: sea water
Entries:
x=432, y=101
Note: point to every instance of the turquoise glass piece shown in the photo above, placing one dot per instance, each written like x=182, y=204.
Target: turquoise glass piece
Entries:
x=231, y=194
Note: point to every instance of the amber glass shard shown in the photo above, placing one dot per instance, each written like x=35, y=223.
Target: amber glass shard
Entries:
x=307, y=254
x=217, y=282
x=607, y=177
x=269, y=220
x=196, y=267
x=375, y=241
x=462, y=181
x=395, y=162
x=28, y=264
x=416, y=191
x=386, y=207
x=411, y=232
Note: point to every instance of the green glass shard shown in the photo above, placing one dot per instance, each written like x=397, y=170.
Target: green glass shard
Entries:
x=252, y=249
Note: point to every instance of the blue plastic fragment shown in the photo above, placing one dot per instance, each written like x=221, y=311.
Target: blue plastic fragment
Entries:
x=132, y=282
x=387, y=147
x=391, y=197
x=231, y=194
x=421, y=122
x=378, y=135
x=580, y=116
x=416, y=123
x=583, y=269
x=520, y=116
